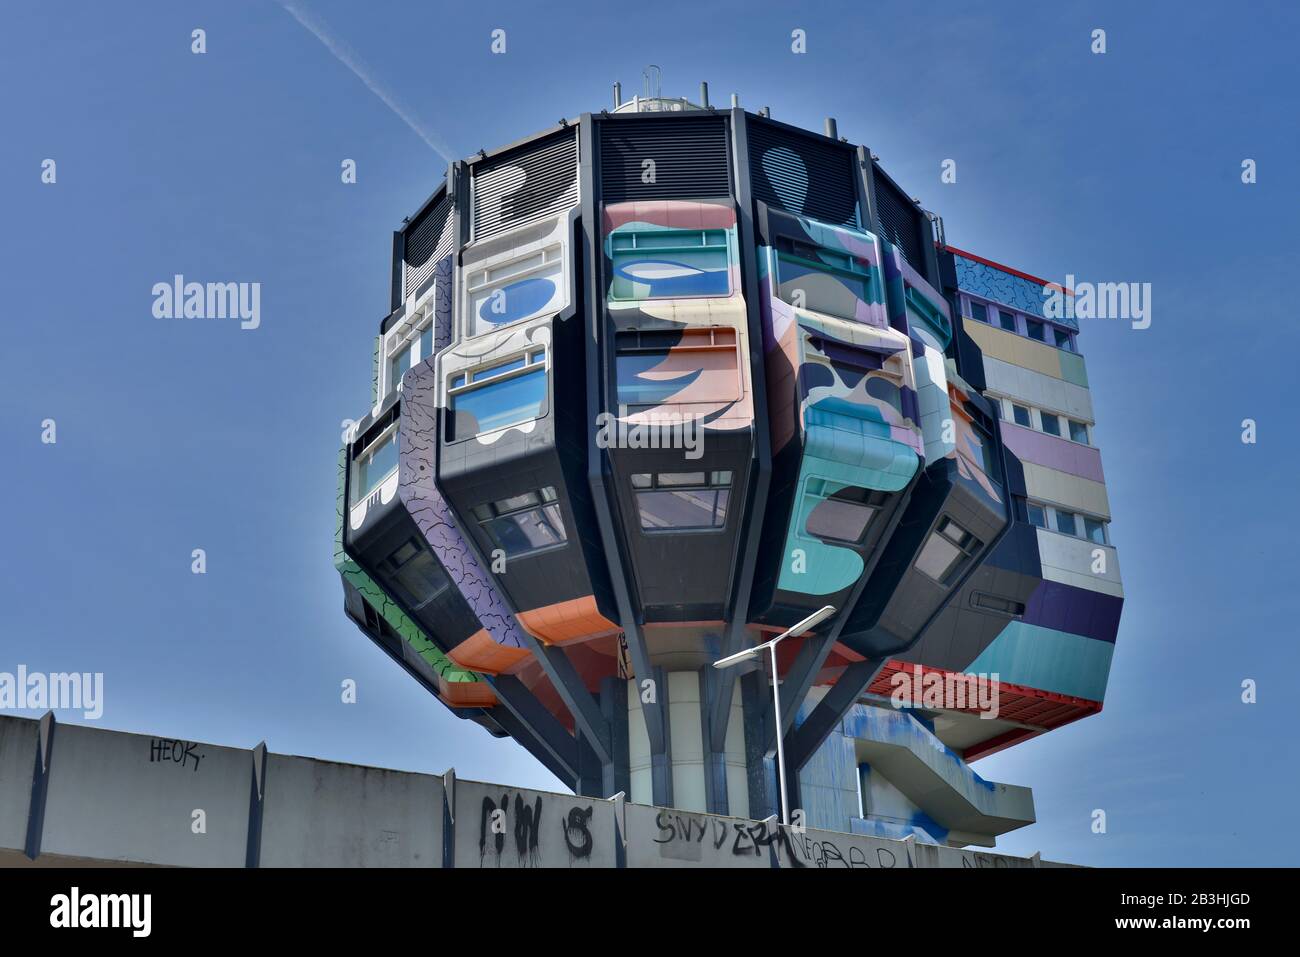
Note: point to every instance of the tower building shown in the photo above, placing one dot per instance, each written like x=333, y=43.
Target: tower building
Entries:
x=657, y=383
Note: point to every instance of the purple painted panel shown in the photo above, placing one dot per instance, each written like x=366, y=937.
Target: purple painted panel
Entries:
x=433, y=514
x=1075, y=610
x=1052, y=452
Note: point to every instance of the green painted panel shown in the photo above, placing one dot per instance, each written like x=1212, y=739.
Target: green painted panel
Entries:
x=1073, y=369
x=391, y=613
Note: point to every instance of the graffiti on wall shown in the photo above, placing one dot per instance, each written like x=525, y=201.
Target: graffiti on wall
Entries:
x=514, y=828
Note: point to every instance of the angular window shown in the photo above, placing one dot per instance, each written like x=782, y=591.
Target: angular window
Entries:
x=1067, y=523
x=1036, y=330
x=1063, y=339
x=1051, y=423
x=1037, y=515
x=1021, y=415
x=397, y=367
x=947, y=552
x=979, y=311
x=426, y=342
x=682, y=501
x=1078, y=432
x=497, y=396
x=669, y=264
x=414, y=574
x=1095, y=530
x=843, y=516
x=513, y=291
x=1007, y=320
x=374, y=465
x=523, y=524
x=655, y=367
x=825, y=281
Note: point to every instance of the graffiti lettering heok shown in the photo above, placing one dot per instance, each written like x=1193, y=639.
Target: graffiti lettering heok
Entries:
x=179, y=752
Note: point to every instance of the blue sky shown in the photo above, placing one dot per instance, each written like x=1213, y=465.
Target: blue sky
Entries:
x=225, y=166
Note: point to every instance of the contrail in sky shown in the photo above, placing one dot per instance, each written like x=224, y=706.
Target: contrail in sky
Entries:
x=345, y=55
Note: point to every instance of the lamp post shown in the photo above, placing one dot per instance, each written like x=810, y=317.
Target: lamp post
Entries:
x=816, y=618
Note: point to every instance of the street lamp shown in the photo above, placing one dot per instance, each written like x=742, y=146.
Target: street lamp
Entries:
x=816, y=618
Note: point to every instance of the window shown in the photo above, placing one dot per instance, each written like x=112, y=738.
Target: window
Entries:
x=947, y=552
x=1066, y=522
x=979, y=311
x=523, y=524
x=681, y=501
x=1063, y=339
x=497, y=396
x=669, y=264
x=844, y=516
x=1021, y=415
x=426, y=342
x=988, y=454
x=996, y=603
x=1078, y=432
x=1007, y=320
x=823, y=280
x=414, y=574
x=1095, y=530
x=1037, y=515
x=513, y=291
x=1036, y=330
x=653, y=366
x=374, y=465
x=1051, y=423
x=397, y=367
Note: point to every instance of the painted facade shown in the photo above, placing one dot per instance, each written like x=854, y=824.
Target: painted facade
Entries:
x=659, y=382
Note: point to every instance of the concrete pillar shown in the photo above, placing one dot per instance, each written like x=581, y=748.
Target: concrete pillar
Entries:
x=681, y=691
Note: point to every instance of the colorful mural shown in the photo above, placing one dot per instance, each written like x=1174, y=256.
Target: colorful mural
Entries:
x=677, y=314
x=862, y=445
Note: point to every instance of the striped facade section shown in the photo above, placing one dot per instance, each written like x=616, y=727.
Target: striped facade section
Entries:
x=1064, y=641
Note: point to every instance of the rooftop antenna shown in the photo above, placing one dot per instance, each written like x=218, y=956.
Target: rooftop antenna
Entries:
x=618, y=94
x=651, y=82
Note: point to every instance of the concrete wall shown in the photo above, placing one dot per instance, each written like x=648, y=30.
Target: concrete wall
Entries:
x=130, y=799
x=17, y=762
x=500, y=826
x=322, y=814
x=665, y=837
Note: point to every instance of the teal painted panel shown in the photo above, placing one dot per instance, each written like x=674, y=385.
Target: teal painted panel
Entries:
x=1073, y=369
x=1047, y=659
x=864, y=445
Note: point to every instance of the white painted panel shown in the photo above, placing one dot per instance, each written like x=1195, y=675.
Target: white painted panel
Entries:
x=1036, y=389
x=323, y=814
x=687, y=740
x=1069, y=560
x=18, y=744
x=130, y=797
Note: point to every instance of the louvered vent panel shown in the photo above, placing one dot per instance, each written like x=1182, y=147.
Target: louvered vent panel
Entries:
x=901, y=222
x=690, y=158
x=802, y=175
x=422, y=241
x=525, y=185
